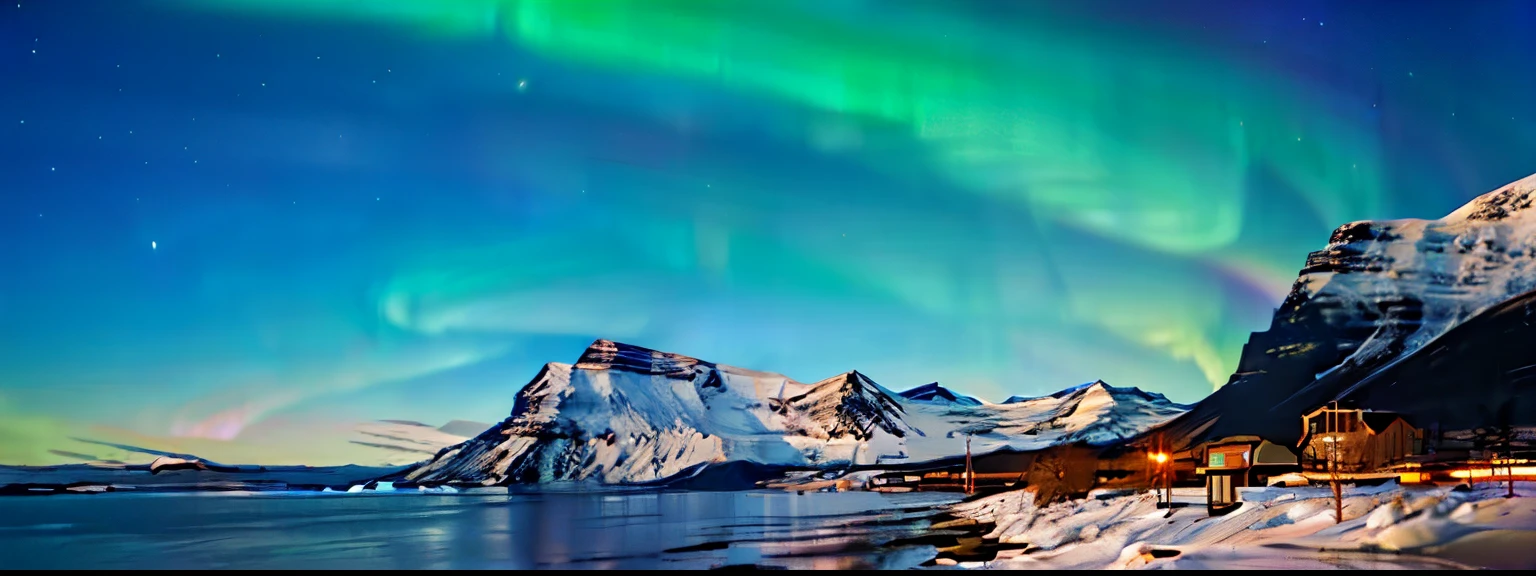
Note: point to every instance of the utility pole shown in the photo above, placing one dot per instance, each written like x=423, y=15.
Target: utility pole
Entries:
x=970, y=475
x=1333, y=465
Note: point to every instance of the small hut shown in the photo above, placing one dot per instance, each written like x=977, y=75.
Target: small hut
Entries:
x=1239, y=461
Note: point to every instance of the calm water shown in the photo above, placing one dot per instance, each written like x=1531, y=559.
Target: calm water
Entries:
x=412, y=530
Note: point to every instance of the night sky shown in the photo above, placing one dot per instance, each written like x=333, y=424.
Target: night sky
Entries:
x=238, y=227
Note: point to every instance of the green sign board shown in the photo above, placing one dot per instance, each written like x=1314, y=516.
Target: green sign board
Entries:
x=1218, y=460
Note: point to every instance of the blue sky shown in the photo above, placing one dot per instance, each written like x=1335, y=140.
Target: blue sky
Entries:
x=229, y=226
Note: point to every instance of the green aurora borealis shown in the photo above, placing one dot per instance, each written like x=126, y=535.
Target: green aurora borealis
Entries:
x=400, y=209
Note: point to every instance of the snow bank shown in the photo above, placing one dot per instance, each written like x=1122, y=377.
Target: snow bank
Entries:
x=1437, y=527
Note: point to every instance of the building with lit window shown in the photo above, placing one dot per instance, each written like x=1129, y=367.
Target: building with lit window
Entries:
x=1358, y=441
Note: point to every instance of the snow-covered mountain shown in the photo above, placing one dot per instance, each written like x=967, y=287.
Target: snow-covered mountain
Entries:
x=624, y=414
x=1378, y=292
x=933, y=392
x=406, y=442
x=1409, y=281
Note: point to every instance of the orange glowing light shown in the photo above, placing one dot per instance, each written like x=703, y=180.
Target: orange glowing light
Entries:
x=1486, y=473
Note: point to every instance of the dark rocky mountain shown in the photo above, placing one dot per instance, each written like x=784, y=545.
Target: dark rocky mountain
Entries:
x=1375, y=295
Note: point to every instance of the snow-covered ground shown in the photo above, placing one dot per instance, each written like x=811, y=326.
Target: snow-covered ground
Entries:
x=1385, y=527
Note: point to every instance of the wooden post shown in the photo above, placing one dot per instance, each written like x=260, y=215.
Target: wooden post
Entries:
x=1510, y=467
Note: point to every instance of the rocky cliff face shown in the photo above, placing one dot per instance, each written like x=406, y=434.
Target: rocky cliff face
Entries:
x=1376, y=293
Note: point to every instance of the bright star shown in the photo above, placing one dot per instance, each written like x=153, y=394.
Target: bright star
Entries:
x=153, y=246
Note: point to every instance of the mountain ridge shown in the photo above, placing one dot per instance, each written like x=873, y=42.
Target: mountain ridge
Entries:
x=625, y=414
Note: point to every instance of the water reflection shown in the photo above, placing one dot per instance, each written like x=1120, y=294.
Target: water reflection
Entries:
x=417, y=531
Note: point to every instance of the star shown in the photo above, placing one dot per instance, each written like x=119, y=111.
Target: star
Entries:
x=153, y=246
x=53, y=169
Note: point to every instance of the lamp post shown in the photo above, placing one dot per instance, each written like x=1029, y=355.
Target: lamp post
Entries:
x=1161, y=459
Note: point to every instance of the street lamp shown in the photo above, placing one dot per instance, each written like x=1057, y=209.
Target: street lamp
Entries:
x=1161, y=458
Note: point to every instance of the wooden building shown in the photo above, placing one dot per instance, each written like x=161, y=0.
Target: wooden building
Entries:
x=1358, y=440
x=1239, y=461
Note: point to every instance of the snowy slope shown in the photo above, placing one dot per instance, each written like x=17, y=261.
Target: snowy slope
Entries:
x=405, y=442
x=1412, y=280
x=624, y=414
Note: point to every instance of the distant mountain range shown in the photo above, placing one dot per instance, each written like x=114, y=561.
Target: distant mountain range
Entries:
x=624, y=414
x=409, y=442
x=1382, y=297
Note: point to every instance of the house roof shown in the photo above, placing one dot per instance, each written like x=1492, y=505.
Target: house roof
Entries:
x=1379, y=421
